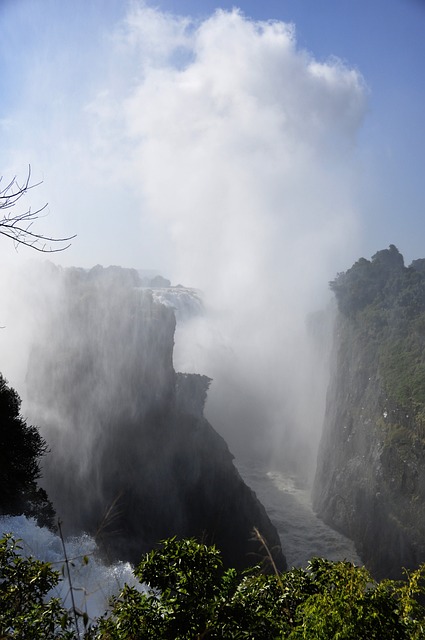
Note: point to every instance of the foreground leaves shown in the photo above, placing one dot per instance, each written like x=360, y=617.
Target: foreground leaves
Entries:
x=24, y=611
x=188, y=595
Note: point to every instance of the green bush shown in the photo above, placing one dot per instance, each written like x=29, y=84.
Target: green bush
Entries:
x=21, y=449
x=26, y=612
x=190, y=596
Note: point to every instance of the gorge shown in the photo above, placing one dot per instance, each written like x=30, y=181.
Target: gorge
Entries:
x=133, y=459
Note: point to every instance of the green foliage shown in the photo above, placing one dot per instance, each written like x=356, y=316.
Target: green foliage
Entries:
x=349, y=605
x=25, y=612
x=190, y=596
x=21, y=447
x=403, y=368
x=384, y=302
x=367, y=281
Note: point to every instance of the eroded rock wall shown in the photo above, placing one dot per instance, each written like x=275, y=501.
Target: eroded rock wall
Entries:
x=370, y=480
x=133, y=459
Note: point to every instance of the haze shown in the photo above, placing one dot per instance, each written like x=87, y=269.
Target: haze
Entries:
x=218, y=151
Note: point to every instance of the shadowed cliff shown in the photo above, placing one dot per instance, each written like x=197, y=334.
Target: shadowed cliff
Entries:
x=133, y=459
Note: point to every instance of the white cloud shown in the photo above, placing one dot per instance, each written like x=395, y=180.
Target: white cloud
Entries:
x=239, y=150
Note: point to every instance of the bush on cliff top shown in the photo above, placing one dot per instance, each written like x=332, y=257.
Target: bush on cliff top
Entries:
x=384, y=302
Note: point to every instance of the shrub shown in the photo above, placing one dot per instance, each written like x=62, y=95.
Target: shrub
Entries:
x=190, y=596
x=25, y=610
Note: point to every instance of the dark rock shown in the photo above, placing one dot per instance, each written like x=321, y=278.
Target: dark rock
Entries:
x=133, y=459
x=370, y=479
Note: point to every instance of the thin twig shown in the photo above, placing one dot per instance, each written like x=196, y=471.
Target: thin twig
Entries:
x=71, y=589
x=18, y=227
x=261, y=539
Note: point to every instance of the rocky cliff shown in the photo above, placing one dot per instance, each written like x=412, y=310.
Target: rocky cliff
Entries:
x=370, y=480
x=133, y=460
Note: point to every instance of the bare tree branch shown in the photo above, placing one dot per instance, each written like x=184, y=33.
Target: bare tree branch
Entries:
x=18, y=227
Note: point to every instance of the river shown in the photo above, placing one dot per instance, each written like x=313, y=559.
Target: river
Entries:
x=288, y=503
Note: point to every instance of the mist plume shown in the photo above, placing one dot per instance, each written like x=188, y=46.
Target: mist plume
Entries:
x=243, y=146
x=235, y=150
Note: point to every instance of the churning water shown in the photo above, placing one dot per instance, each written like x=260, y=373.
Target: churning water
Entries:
x=302, y=534
x=93, y=581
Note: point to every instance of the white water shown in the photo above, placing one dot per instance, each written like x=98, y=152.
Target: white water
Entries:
x=185, y=302
x=93, y=582
x=302, y=534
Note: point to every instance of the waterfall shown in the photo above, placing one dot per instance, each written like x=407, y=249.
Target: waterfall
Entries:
x=94, y=582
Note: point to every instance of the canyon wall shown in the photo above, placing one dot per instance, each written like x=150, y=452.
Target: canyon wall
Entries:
x=133, y=460
x=370, y=479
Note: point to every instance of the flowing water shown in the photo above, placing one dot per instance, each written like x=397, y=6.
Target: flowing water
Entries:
x=93, y=581
x=286, y=498
x=302, y=534
x=288, y=503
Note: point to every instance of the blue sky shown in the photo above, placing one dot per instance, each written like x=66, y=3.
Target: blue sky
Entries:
x=52, y=56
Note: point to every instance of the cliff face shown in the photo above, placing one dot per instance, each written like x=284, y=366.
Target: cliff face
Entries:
x=370, y=480
x=133, y=459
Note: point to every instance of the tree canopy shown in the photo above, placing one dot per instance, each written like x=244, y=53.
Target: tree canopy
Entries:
x=21, y=449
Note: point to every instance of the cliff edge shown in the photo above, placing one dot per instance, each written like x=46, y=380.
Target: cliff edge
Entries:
x=133, y=460
x=370, y=479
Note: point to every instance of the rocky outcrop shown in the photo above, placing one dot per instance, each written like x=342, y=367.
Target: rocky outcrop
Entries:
x=133, y=460
x=370, y=480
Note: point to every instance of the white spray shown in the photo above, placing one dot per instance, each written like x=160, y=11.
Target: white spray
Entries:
x=236, y=150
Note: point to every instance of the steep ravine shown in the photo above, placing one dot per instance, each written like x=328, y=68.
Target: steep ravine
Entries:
x=370, y=480
x=133, y=460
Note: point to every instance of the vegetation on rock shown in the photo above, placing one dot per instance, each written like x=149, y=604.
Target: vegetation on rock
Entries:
x=386, y=302
x=370, y=478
